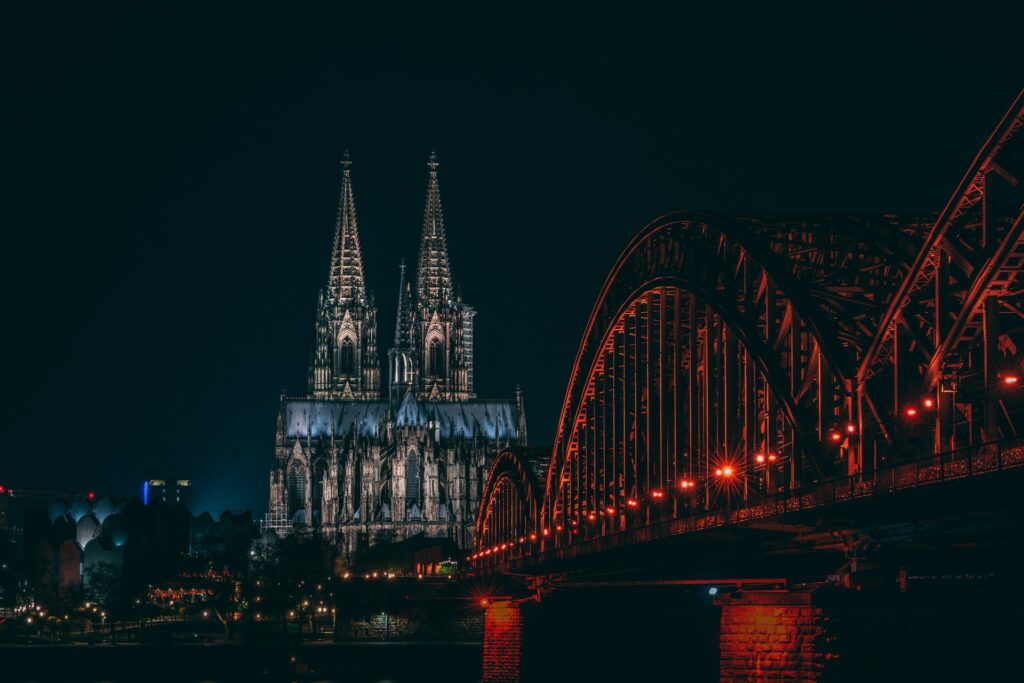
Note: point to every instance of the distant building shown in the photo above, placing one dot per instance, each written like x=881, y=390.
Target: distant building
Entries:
x=169, y=491
x=363, y=467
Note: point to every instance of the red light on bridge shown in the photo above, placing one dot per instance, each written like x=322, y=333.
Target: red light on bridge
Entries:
x=533, y=537
x=759, y=458
x=726, y=471
x=686, y=484
x=632, y=502
x=657, y=495
x=928, y=403
x=835, y=436
x=1011, y=379
x=911, y=411
x=484, y=602
x=772, y=457
x=91, y=495
x=545, y=532
x=610, y=510
x=558, y=527
x=850, y=429
x=591, y=516
x=718, y=472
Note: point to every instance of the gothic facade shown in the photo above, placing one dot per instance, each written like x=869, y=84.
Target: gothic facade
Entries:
x=361, y=464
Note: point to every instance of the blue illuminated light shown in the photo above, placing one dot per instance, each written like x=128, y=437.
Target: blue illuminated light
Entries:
x=713, y=590
x=145, y=492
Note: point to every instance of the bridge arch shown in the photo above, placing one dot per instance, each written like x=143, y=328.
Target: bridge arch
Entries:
x=510, y=506
x=699, y=311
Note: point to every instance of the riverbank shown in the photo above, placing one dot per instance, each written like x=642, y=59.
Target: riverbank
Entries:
x=352, y=662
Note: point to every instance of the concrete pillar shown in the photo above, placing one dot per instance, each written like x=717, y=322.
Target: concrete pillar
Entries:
x=771, y=636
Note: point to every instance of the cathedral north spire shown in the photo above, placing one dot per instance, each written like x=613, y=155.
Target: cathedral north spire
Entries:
x=345, y=353
x=433, y=276
x=345, y=283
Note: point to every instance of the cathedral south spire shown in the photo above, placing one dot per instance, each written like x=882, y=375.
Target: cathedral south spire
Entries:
x=442, y=354
x=433, y=277
x=345, y=362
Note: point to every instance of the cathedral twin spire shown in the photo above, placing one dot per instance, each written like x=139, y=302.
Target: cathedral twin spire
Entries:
x=432, y=352
x=434, y=277
x=345, y=282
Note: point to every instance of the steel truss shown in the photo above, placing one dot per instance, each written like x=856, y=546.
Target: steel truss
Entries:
x=729, y=358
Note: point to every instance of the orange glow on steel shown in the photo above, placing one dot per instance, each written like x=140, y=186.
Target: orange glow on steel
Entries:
x=911, y=412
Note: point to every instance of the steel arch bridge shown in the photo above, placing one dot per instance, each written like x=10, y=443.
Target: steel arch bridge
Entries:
x=731, y=362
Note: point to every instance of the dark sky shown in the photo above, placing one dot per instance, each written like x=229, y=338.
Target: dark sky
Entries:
x=170, y=178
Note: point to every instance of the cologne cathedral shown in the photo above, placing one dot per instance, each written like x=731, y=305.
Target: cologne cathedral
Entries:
x=361, y=463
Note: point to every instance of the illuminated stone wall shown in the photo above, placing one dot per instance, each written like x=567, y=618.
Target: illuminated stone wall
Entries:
x=772, y=636
x=503, y=643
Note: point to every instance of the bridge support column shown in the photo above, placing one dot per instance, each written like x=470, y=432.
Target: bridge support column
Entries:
x=771, y=636
x=503, y=642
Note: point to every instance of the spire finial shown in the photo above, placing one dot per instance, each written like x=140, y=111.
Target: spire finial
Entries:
x=346, y=160
x=433, y=163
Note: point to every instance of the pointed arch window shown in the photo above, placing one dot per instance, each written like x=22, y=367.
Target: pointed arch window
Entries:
x=347, y=357
x=413, y=484
x=296, y=487
x=436, y=358
x=319, y=474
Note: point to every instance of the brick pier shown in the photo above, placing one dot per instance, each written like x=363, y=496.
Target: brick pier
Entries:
x=503, y=643
x=772, y=636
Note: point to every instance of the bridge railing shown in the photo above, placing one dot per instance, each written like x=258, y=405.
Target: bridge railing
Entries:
x=930, y=470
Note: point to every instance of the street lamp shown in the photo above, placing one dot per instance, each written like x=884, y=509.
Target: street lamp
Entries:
x=726, y=473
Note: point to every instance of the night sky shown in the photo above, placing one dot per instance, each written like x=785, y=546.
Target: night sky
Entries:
x=170, y=184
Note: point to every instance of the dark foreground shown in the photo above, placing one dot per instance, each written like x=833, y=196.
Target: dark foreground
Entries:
x=348, y=662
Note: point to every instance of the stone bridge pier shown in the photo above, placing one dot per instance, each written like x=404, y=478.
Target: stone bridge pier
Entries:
x=757, y=636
